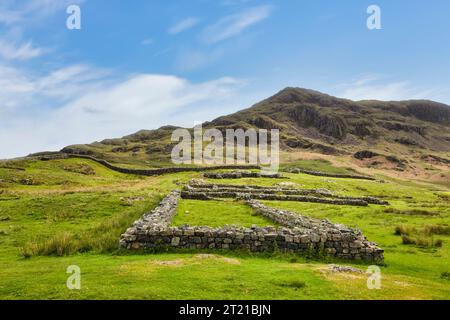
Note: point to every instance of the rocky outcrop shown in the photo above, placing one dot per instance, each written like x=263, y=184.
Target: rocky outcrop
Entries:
x=397, y=126
x=365, y=154
x=327, y=124
x=429, y=111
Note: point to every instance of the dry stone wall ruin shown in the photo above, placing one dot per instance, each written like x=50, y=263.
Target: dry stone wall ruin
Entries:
x=297, y=234
x=240, y=175
x=146, y=172
x=330, y=175
x=201, y=191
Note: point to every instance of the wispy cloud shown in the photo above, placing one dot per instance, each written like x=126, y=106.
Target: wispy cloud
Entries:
x=21, y=90
x=183, y=25
x=234, y=24
x=18, y=12
x=24, y=51
x=9, y=17
x=233, y=2
x=376, y=87
x=17, y=16
x=192, y=59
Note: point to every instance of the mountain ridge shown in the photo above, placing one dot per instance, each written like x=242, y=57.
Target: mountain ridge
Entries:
x=313, y=121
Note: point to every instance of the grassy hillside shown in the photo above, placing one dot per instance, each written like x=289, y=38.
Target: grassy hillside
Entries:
x=63, y=212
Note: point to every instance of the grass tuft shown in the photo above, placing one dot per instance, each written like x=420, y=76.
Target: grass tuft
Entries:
x=411, y=212
x=296, y=284
x=436, y=229
x=422, y=238
x=445, y=275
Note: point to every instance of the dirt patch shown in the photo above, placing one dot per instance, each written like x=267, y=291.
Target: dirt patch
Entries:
x=330, y=274
x=168, y=263
x=218, y=258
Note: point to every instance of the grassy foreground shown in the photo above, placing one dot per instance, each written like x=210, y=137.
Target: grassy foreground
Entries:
x=71, y=212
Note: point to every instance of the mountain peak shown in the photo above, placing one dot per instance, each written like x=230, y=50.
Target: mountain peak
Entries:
x=295, y=94
x=311, y=120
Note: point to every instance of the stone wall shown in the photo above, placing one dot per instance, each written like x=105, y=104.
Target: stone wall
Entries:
x=240, y=175
x=212, y=191
x=263, y=196
x=326, y=174
x=298, y=234
x=147, y=172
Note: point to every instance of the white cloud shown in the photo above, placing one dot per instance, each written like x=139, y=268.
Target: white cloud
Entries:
x=9, y=17
x=24, y=51
x=374, y=87
x=93, y=110
x=17, y=16
x=233, y=25
x=183, y=25
x=12, y=12
x=14, y=88
x=20, y=90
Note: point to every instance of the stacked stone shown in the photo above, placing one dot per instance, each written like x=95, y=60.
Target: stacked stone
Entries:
x=240, y=175
x=249, y=189
x=198, y=183
x=157, y=221
x=326, y=174
x=211, y=191
x=210, y=195
x=293, y=220
x=151, y=172
x=299, y=234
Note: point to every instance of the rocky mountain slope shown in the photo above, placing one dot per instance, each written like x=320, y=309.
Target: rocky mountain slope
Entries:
x=312, y=121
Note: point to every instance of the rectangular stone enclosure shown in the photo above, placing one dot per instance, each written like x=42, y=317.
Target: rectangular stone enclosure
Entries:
x=298, y=234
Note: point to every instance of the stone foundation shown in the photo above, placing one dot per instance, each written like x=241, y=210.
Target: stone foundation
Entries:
x=211, y=191
x=298, y=234
x=240, y=175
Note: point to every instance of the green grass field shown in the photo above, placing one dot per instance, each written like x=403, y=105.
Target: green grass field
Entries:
x=217, y=214
x=58, y=213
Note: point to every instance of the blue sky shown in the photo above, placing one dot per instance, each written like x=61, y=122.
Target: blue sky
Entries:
x=142, y=64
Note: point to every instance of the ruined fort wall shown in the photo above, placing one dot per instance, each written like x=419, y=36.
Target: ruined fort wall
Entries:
x=299, y=234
